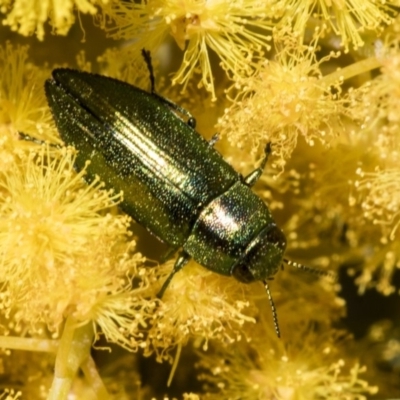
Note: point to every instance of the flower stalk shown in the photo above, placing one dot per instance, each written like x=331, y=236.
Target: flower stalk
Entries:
x=74, y=348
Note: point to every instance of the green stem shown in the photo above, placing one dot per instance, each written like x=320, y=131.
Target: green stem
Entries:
x=74, y=348
x=92, y=376
x=352, y=70
x=28, y=344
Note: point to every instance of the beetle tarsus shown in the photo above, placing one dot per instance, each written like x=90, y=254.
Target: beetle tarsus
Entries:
x=28, y=138
x=213, y=140
x=191, y=122
x=182, y=260
x=254, y=176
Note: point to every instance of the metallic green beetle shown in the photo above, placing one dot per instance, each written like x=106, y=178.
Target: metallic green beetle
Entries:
x=174, y=182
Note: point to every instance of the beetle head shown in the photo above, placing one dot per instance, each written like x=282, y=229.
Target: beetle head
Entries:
x=262, y=257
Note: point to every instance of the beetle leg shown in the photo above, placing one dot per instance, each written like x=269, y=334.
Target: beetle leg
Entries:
x=168, y=254
x=147, y=58
x=254, y=176
x=28, y=138
x=191, y=120
x=213, y=140
x=179, y=264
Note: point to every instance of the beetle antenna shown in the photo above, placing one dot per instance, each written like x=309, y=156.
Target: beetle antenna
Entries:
x=147, y=58
x=273, y=309
x=314, y=271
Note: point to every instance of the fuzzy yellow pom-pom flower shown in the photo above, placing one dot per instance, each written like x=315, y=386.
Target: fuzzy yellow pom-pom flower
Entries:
x=286, y=98
x=234, y=30
x=375, y=173
x=58, y=255
x=266, y=370
x=29, y=17
x=348, y=18
x=22, y=106
x=201, y=305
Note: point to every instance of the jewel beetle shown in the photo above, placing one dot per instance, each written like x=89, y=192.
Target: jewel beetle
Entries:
x=174, y=182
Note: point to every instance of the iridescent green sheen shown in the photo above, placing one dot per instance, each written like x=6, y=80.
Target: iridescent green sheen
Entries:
x=174, y=182
x=226, y=226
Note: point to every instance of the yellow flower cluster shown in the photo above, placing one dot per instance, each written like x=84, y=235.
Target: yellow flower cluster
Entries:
x=261, y=371
x=300, y=102
x=199, y=305
x=30, y=17
x=320, y=81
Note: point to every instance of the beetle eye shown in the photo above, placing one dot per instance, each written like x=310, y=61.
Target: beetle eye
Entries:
x=242, y=273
